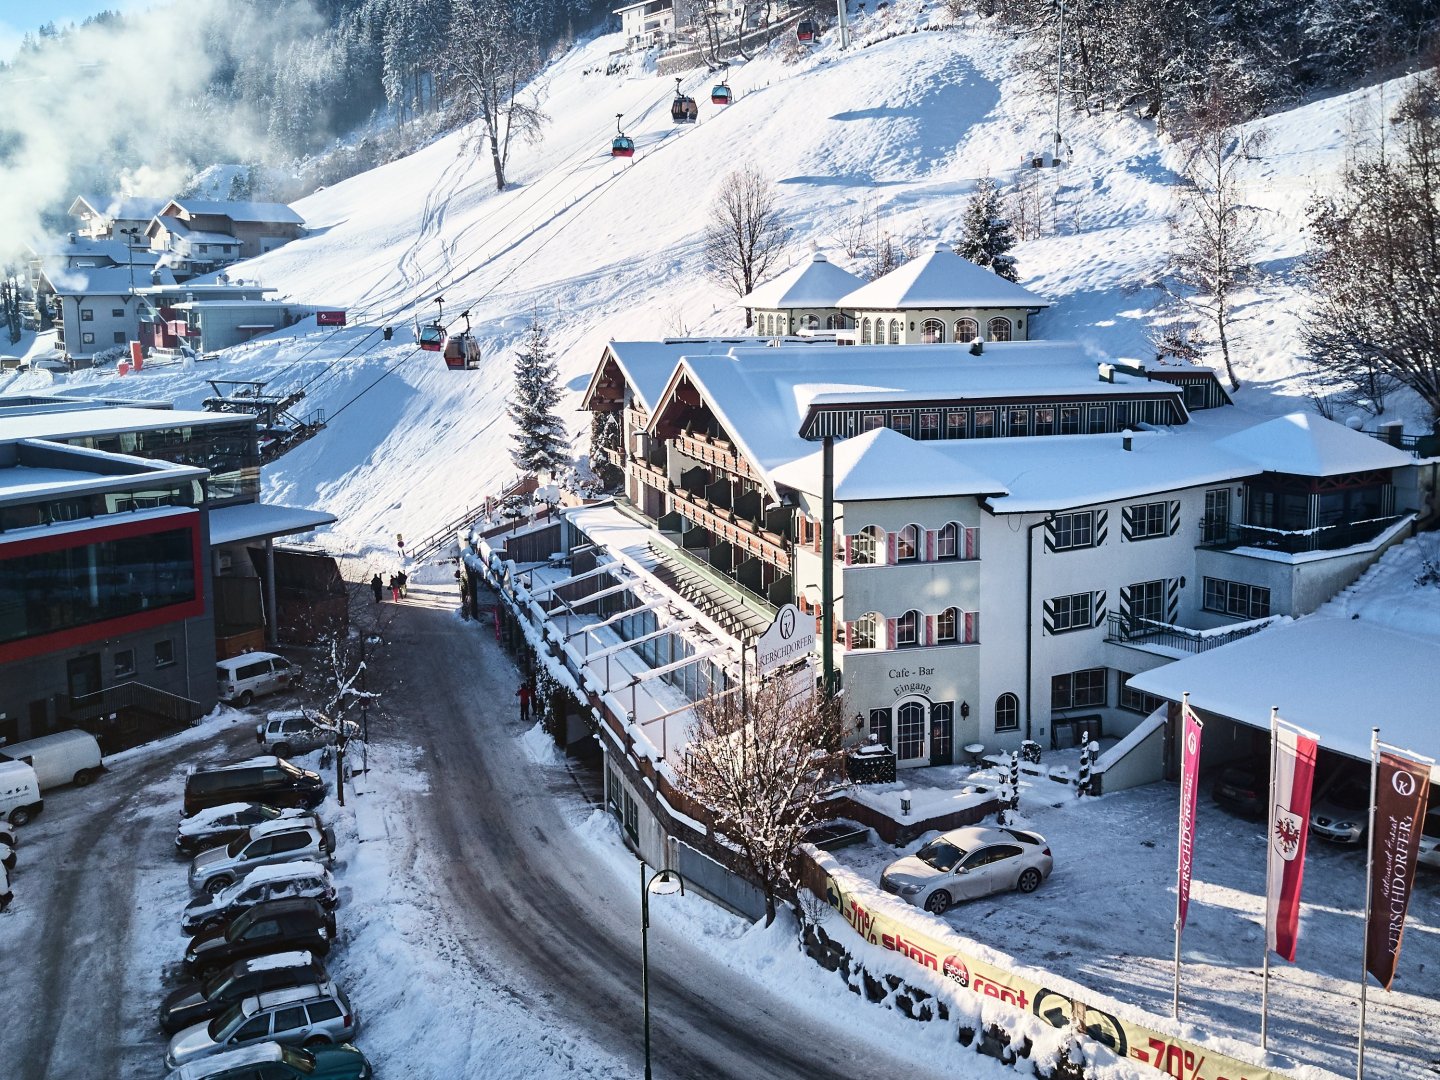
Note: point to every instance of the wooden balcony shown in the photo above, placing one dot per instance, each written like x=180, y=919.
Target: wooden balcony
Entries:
x=737, y=531
x=715, y=452
x=653, y=475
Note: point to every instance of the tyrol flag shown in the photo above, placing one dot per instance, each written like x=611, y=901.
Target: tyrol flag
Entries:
x=1192, y=729
x=1402, y=787
x=1293, y=769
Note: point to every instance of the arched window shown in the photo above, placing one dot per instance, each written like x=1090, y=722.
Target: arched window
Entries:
x=966, y=330
x=865, y=545
x=811, y=322
x=998, y=328
x=894, y=331
x=932, y=332
x=910, y=731
x=1007, y=712
x=907, y=630
x=863, y=633
x=835, y=322
x=907, y=544
x=865, y=332
x=947, y=542
x=946, y=624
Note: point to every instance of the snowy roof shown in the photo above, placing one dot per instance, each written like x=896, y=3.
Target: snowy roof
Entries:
x=647, y=365
x=1304, y=444
x=940, y=279
x=818, y=283
x=128, y=208
x=284, y=871
x=105, y=280
x=1313, y=670
x=259, y=521
x=883, y=464
x=117, y=251
x=70, y=423
x=263, y=212
x=27, y=482
x=180, y=228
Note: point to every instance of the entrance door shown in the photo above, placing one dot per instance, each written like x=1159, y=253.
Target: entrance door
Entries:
x=942, y=733
x=910, y=732
x=83, y=674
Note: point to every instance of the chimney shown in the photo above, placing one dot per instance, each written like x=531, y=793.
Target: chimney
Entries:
x=977, y=346
x=1127, y=441
x=1107, y=373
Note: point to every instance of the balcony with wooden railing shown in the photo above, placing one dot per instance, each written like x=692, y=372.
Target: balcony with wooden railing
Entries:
x=734, y=529
x=714, y=451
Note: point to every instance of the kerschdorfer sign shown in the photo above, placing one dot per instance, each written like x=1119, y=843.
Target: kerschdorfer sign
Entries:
x=791, y=637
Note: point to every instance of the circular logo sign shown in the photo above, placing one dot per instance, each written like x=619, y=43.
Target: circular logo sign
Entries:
x=1190, y=742
x=955, y=969
x=787, y=623
x=1403, y=783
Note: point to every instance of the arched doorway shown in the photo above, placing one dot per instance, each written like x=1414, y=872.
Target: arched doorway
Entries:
x=920, y=731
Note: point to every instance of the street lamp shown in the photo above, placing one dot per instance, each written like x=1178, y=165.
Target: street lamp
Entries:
x=662, y=883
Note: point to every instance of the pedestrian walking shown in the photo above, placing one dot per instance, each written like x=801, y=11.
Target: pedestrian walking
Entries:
x=524, y=695
x=395, y=588
x=404, y=580
x=377, y=587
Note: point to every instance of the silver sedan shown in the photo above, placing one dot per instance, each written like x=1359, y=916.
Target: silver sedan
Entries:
x=968, y=863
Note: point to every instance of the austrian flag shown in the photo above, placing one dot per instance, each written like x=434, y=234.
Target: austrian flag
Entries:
x=1294, y=771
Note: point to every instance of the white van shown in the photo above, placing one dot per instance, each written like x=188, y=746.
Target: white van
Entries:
x=244, y=678
x=19, y=792
x=65, y=757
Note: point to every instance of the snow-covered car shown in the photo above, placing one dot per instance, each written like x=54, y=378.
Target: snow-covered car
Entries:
x=5, y=894
x=200, y=1000
x=218, y=825
x=312, y=1014
x=7, y=856
x=294, y=731
x=270, y=926
x=968, y=863
x=1341, y=810
x=276, y=1062
x=273, y=842
x=269, y=882
x=1429, y=846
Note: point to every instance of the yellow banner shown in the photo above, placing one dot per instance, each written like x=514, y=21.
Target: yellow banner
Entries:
x=1173, y=1056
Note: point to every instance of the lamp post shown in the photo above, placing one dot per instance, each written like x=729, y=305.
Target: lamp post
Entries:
x=662, y=883
x=130, y=235
x=1059, y=62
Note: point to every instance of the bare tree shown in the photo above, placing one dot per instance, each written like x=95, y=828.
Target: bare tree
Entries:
x=745, y=234
x=491, y=56
x=759, y=768
x=338, y=691
x=1375, y=263
x=1214, y=233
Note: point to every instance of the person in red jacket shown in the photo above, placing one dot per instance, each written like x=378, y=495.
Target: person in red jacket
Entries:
x=524, y=694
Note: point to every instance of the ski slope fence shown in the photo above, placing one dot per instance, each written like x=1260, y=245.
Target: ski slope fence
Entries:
x=962, y=973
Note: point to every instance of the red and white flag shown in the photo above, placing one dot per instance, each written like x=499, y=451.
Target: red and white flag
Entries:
x=1191, y=730
x=1294, y=772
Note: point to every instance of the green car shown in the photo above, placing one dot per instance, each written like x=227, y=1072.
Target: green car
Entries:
x=281, y=1062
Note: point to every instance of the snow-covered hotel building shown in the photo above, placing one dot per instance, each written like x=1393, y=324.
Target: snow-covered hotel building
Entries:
x=1017, y=529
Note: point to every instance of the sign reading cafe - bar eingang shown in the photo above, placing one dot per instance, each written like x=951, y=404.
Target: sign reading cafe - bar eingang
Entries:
x=790, y=637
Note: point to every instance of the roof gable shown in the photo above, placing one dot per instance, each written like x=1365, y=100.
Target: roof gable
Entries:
x=1303, y=444
x=940, y=279
x=818, y=283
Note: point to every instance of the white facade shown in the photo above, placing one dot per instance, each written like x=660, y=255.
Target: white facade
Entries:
x=650, y=22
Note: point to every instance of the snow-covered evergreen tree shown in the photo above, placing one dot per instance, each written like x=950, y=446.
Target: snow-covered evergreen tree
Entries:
x=540, y=438
x=987, y=238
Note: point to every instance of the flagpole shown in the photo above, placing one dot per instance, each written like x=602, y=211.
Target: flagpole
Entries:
x=1365, y=925
x=1180, y=852
x=1269, y=840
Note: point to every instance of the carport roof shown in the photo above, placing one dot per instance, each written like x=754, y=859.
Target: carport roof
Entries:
x=262, y=521
x=1322, y=673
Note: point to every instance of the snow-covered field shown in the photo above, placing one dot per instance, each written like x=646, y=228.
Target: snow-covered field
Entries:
x=599, y=248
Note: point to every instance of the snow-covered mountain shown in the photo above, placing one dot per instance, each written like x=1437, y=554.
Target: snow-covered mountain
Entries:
x=905, y=122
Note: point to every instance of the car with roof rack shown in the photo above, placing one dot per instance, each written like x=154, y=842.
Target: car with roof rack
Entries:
x=204, y=998
x=309, y=1015
x=277, y=841
x=273, y=1061
x=271, y=881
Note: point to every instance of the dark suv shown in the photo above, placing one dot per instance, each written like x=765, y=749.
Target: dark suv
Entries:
x=268, y=780
x=199, y=1001
x=268, y=927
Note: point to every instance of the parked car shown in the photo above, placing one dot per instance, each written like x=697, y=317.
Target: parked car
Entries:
x=5, y=894
x=313, y=1014
x=268, y=927
x=270, y=780
x=19, y=793
x=271, y=842
x=967, y=863
x=272, y=881
x=272, y=1061
x=1429, y=846
x=1243, y=786
x=244, y=678
x=1340, y=811
x=62, y=757
x=218, y=825
x=294, y=731
x=199, y=1001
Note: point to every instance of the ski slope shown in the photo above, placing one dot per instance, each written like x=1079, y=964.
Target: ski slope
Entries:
x=599, y=248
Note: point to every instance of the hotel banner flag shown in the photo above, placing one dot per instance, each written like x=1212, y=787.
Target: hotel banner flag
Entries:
x=1191, y=731
x=1294, y=775
x=1401, y=790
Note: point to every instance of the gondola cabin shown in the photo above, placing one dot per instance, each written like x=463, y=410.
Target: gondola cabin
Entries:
x=461, y=352
x=720, y=94
x=432, y=338
x=805, y=30
x=683, y=110
x=622, y=146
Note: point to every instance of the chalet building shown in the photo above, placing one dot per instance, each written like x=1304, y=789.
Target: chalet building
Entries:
x=98, y=308
x=200, y=236
x=133, y=551
x=647, y=23
x=175, y=320
x=1016, y=529
x=81, y=253
x=805, y=297
x=114, y=218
